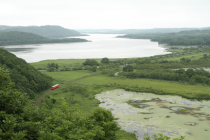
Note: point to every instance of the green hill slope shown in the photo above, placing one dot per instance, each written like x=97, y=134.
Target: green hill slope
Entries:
x=21, y=38
x=46, y=31
x=194, y=37
x=26, y=77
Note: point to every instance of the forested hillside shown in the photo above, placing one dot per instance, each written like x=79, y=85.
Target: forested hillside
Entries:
x=46, y=31
x=194, y=37
x=26, y=78
x=21, y=120
x=22, y=38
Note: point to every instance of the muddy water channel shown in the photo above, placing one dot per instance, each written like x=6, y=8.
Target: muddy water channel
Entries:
x=141, y=113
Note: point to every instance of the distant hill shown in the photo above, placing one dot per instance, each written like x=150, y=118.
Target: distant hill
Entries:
x=22, y=38
x=193, y=37
x=26, y=78
x=45, y=31
x=136, y=31
x=4, y=27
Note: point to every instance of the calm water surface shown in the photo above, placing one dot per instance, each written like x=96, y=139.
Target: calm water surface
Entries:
x=101, y=45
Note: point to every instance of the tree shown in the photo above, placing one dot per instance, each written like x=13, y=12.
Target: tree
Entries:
x=128, y=68
x=56, y=66
x=91, y=68
x=205, y=56
x=91, y=62
x=52, y=66
x=105, y=119
x=185, y=60
x=17, y=113
x=105, y=60
x=190, y=72
x=94, y=68
x=180, y=71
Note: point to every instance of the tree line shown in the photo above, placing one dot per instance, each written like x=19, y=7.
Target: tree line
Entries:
x=190, y=75
x=171, y=70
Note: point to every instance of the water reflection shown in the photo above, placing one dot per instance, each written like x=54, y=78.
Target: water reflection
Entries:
x=22, y=50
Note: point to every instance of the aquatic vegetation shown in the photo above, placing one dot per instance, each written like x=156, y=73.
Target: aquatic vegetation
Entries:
x=183, y=110
x=157, y=115
x=156, y=99
x=146, y=113
x=137, y=105
x=179, y=109
x=192, y=124
x=160, y=137
x=134, y=105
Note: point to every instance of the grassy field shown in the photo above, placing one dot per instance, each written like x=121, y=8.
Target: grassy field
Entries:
x=65, y=76
x=175, y=50
x=61, y=62
x=176, y=88
x=190, y=56
x=85, y=103
x=167, y=86
x=98, y=83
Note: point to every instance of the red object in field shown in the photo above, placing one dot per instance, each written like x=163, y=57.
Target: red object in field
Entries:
x=55, y=86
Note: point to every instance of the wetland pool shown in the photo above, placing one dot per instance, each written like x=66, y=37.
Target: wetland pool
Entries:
x=141, y=113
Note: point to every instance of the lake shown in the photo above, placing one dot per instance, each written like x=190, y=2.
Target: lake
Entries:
x=101, y=45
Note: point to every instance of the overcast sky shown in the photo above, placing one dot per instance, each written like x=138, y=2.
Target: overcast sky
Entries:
x=106, y=14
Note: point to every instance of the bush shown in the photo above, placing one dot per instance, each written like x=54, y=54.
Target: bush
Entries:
x=91, y=62
x=128, y=68
x=105, y=60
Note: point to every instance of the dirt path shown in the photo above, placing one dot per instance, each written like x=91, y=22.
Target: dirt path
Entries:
x=39, y=100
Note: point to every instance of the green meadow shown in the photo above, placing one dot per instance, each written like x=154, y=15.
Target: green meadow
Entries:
x=85, y=103
x=63, y=77
x=61, y=62
x=95, y=82
x=66, y=76
x=193, y=56
x=98, y=83
x=168, y=86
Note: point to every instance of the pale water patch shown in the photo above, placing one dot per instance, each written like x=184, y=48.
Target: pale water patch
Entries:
x=101, y=45
x=172, y=115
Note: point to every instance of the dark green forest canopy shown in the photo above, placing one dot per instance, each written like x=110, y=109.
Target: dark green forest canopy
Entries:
x=21, y=120
x=194, y=37
x=22, y=38
x=26, y=77
x=46, y=31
